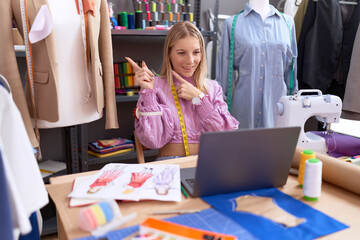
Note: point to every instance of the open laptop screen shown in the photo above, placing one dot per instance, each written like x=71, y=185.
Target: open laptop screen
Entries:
x=242, y=160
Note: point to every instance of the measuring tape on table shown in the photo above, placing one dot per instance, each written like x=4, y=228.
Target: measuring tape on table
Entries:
x=181, y=119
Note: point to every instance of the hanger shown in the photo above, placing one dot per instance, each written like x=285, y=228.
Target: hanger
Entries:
x=343, y=2
x=4, y=83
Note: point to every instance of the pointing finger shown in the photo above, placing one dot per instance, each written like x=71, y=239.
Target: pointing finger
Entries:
x=143, y=64
x=178, y=77
x=133, y=64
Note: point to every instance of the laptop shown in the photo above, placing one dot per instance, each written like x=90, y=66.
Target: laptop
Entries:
x=240, y=160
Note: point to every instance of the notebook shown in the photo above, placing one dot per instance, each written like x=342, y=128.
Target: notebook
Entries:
x=240, y=160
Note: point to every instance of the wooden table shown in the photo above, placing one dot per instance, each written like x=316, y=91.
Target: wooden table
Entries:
x=336, y=202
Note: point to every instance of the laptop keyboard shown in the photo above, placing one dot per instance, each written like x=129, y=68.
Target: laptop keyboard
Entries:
x=190, y=181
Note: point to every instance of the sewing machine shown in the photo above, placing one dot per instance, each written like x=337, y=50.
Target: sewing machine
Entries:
x=297, y=109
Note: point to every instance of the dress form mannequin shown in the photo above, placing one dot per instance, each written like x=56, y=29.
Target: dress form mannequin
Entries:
x=262, y=7
x=51, y=78
x=74, y=108
x=262, y=56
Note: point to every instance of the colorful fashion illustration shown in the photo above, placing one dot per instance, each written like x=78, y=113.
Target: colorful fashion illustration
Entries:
x=164, y=180
x=106, y=178
x=138, y=179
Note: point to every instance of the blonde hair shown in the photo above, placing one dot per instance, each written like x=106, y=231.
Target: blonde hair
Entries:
x=179, y=31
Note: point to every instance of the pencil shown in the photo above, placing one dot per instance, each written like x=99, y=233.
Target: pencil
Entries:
x=184, y=192
x=181, y=211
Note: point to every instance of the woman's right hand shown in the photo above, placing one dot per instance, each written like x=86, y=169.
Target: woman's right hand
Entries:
x=143, y=76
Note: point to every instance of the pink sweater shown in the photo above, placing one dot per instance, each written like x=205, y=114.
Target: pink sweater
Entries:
x=156, y=131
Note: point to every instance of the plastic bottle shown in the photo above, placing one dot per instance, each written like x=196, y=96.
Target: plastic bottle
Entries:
x=305, y=155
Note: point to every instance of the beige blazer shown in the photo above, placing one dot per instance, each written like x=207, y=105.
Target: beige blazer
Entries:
x=351, y=104
x=45, y=66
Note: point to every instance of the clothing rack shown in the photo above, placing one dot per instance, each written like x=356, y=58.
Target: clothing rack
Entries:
x=343, y=2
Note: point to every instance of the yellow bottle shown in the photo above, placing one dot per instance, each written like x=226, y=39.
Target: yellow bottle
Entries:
x=305, y=155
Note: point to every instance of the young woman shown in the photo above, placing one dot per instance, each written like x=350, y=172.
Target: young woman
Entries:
x=182, y=79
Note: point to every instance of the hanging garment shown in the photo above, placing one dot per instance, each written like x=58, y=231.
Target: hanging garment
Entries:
x=263, y=53
x=291, y=7
x=6, y=222
x=26, y=188
x=351, y=103
x=299, y=17
x=325, y=45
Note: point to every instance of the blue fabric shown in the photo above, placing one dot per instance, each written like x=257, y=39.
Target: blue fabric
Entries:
x=34, y=234
x=6, y=222
x=263, y=53
x=208, y=219
x=316, y=225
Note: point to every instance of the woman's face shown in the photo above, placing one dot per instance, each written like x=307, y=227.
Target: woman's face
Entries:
x=185, y=56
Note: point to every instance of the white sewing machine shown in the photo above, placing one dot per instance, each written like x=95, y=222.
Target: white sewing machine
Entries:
x=296, y=110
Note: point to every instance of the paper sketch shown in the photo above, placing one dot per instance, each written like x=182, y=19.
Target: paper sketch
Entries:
x=105, y=179
x=163, y=181
x=132, y=182
x=138, y=179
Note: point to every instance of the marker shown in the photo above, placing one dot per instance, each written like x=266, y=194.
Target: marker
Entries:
x=184, y=192
x=176, y=211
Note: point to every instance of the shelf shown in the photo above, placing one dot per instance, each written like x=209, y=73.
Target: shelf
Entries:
x=121, y=157
x=123, y=98
x=159, y=33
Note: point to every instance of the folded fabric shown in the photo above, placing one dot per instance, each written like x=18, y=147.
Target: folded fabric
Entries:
x=339, y=145
x=110, y=154
x=110, y=144
x=108, y=150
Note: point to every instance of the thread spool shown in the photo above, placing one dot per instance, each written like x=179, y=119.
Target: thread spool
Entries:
x=173, y=1
x=138, y=19
x=161, y=6
x=156, y=16
x=305, y=155
x=191, y=17
x=147, y=7
x=139, y=6
x=169, y=7
x=143, y=24
x=170, y=16
x=180, y=1
x=148, y=16
x=153, y=6
x=178, y=17
x=131, y=21
x=175, y=7
x=182, y=8
x=123, y=19
x=312, y=179
x=184, y=17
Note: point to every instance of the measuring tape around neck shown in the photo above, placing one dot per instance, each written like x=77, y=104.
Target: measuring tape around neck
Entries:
x=181, y=119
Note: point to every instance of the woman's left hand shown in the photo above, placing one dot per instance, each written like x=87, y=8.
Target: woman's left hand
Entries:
x=185, y=90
